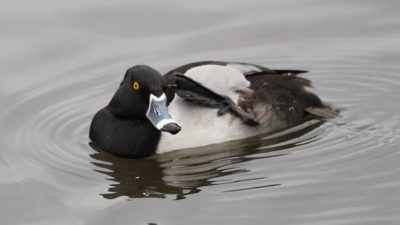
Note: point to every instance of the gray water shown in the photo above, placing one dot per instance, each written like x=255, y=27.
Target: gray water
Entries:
x=62, y=61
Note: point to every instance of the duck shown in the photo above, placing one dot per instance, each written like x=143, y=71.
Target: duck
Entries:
x=200, y=104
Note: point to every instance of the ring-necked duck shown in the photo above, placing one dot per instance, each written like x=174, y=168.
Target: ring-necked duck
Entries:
x=215, y=102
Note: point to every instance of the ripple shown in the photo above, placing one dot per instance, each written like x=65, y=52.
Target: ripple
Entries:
x=341, y=160
x=48, y=125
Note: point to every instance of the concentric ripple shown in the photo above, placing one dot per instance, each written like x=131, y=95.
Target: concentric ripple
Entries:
x=334, y=164
x=48, y=127
x=62, y=61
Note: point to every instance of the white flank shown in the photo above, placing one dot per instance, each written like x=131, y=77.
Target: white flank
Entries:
x=201, y=125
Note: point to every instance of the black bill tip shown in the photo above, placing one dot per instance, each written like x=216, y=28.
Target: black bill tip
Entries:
x=172, y=128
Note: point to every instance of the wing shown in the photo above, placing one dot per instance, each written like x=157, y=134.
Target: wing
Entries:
x=251, y=69
x=247, y=69
x=196, y=93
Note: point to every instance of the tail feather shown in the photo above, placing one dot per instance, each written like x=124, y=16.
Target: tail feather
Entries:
x=322, y=112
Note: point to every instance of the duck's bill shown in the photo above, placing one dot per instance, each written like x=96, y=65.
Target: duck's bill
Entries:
x=158, y=115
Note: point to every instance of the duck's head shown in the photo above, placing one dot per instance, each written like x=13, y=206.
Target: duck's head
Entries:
x=141, y=95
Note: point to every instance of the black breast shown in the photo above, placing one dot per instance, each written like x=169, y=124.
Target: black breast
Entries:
x=124, y=136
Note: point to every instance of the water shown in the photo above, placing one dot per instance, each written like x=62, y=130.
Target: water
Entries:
x=62, y=61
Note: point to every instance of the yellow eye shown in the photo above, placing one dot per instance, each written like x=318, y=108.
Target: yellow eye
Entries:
x=135, y=86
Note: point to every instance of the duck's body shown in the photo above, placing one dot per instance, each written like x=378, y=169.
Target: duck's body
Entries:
x=198, y=121
x=215, y=102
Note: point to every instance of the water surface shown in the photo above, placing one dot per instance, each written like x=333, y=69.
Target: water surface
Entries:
x=62, y=61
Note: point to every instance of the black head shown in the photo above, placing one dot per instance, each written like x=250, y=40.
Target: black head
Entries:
x=141, y=95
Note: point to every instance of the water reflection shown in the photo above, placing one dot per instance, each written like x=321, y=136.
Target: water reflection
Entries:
x=184, y=172
x=135, y=178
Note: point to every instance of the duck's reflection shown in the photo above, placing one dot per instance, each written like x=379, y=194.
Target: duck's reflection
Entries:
x=184, y=172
